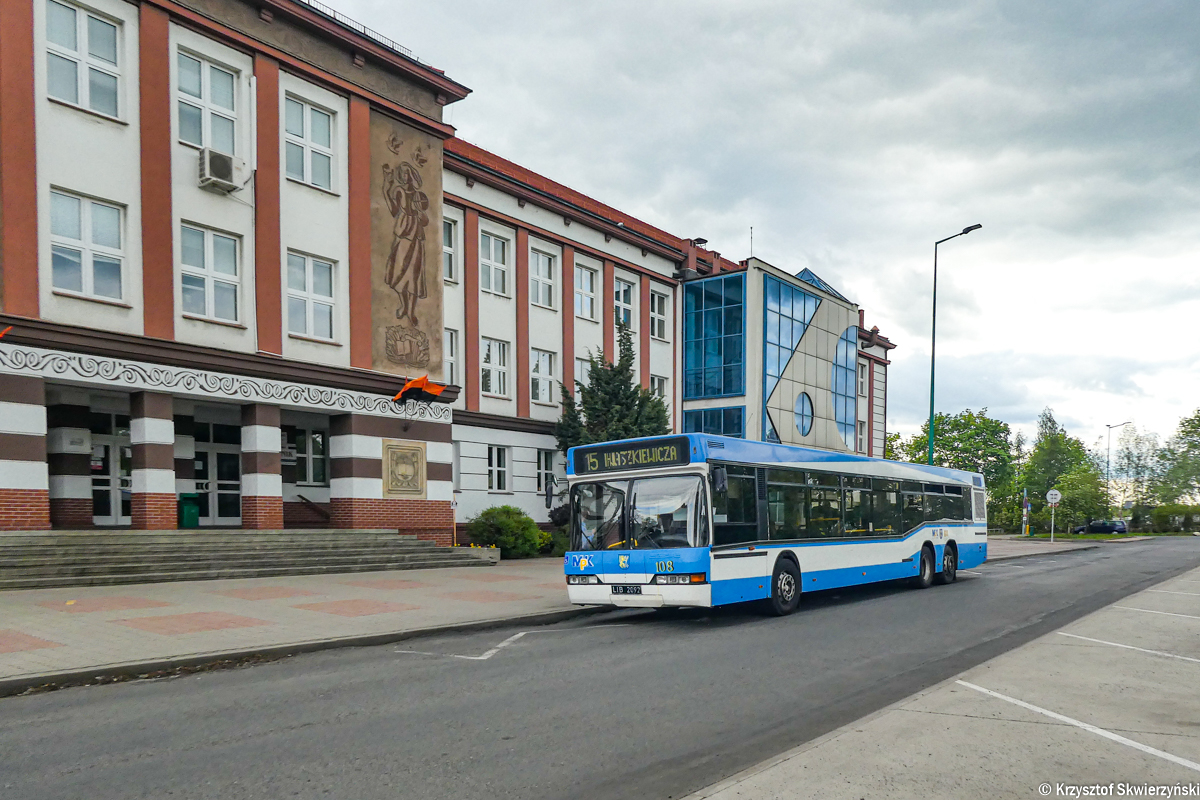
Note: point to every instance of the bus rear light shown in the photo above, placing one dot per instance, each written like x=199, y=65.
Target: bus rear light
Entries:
x=582, y=579
x=678, y=579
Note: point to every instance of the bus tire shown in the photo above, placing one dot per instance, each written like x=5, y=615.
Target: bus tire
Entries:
x=785, y=587
x=924, y=578
x=949, y=571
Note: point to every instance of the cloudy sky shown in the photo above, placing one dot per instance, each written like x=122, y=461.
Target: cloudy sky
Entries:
x=852, y=134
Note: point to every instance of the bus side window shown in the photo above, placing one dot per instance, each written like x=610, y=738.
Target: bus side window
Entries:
x=825, y=513
x=858, y=512
x=885, y=513
x=913, y=510
x=787, y=505
x=735, y=511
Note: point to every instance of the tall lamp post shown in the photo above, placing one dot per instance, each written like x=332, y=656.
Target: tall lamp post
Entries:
x=933, y=336
x=1108, y=469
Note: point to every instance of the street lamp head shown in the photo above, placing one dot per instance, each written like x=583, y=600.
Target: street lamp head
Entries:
x=972, y=228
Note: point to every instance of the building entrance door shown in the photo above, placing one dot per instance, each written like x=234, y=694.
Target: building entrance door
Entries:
x=112, y=480
x=219, y=484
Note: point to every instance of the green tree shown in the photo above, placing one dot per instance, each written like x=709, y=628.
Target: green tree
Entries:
x=1083, y=498
x=612, y=405
x=968, y=440
x=1055, y=453
x=891, y=447
x=1177, y=477
x=1134, y=466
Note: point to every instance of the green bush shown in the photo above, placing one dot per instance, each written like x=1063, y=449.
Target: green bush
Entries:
x=508, y=528
x=561, y=542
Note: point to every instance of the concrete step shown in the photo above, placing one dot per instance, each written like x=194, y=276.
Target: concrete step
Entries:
x=179, y=564
x=222, y=573
x=18, y=554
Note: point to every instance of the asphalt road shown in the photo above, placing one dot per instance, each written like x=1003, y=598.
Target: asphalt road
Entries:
x=630, y=704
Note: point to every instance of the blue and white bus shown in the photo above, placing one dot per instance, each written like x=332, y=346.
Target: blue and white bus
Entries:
x=698, y=520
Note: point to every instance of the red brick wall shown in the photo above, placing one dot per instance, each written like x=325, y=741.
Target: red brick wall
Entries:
x=432, y=520
x=262, y=513
x=301, y=515
x=24, y=510
x=153, y=512
x=71, y=513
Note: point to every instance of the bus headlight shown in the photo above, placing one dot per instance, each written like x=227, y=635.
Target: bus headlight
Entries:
x=582, y=579
x=679, y=579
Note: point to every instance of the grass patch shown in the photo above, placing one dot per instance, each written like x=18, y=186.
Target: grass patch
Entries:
x=1101, y=537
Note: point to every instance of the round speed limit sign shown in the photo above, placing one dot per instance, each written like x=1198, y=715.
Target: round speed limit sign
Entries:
x=1054, y=496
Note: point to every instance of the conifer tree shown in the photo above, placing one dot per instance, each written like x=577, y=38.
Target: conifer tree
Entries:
x=612, y=405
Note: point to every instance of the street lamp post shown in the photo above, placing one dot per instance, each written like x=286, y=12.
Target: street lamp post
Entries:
x=1108, y=470
x=933, y=335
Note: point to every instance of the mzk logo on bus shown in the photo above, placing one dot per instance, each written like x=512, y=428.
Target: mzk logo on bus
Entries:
x=584, y=562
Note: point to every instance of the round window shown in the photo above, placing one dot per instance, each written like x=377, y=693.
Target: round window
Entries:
x=804, y=414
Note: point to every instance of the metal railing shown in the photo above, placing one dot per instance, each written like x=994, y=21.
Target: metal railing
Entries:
x=358, y=27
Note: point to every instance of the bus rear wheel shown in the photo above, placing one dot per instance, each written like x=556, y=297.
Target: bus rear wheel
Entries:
x=949, y=571
x=785, y=588
x=924, y=578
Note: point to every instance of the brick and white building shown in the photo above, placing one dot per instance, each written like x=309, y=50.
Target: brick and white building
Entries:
x=231, y=230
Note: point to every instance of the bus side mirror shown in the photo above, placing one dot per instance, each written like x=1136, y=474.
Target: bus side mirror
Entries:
x=720, y=480
x=550, y=481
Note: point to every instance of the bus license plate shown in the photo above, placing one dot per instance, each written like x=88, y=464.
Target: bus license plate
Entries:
x=626, y=590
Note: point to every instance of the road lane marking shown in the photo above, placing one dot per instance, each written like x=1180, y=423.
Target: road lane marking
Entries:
x=1164, y=613
x=1116, y=737
x=1129, y=647
x=1165, y=591
x=489, y=653
x=969, y=572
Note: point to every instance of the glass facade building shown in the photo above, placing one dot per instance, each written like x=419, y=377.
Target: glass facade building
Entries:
x=845, y=396
x=714, y=338
x=787, y=313
x=717, y=421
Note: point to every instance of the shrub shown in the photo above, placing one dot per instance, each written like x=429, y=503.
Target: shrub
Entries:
x=508, y=528
x=561, y=542
x=560, y=516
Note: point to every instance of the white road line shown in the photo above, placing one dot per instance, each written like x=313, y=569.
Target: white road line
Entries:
x=1166, y=591
x=969, y=572
x=1183, y=762
x=489, y=653
x=1164, y=613
x=1129, y=647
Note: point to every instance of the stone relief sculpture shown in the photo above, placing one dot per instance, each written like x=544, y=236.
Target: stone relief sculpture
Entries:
x=408, y=205
x=404, y=469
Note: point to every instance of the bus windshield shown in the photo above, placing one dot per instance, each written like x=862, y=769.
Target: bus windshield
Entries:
x=661, y=512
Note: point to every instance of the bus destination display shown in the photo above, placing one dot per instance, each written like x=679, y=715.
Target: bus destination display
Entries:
x=638, y=455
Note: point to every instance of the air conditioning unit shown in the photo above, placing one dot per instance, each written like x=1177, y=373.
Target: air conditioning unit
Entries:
x=220, y=172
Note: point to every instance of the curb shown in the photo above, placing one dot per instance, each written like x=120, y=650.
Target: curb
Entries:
x=991, y=560
x=112, y=673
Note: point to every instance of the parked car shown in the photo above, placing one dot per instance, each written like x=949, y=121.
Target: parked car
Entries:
x=1103, y=526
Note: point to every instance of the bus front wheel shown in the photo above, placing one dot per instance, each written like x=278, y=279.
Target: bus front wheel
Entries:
x=785, y=587
x=924, y=578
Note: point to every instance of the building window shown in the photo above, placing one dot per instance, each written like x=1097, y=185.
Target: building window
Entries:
x=658, y=315
x=308, y=145
x=583, y=369
x=804, y=414
x=862, y=436
x=789, y=310
x=716, y=421
x=497, y=469
x=658, y=386
x=312, y=456
x=862, y=380
x=450, y=356
x=210, y=277
x=495, y=367
x=493, y=264
x=541, y=375
x=585, y=293
x=85, y=246
x=81, y=59
x=845, y=407
x=449, y=256
x=624, y=302
x=714, y=345
x=310, y=296
x=545, y=469
x=207, y=107
x=541, y=279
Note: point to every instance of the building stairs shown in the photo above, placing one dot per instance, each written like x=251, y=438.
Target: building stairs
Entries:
x=37, y=560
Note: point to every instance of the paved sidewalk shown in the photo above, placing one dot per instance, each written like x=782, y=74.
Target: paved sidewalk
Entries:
x=1001, y=549
x=1108, y=699
x=46, y=633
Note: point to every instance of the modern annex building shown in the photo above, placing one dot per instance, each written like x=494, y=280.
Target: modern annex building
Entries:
x=230, y=231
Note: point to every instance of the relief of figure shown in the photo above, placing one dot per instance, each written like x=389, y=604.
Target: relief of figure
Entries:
x=409, y=207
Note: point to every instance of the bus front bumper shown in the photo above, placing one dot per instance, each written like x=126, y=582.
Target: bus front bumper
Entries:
x=652, y=596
